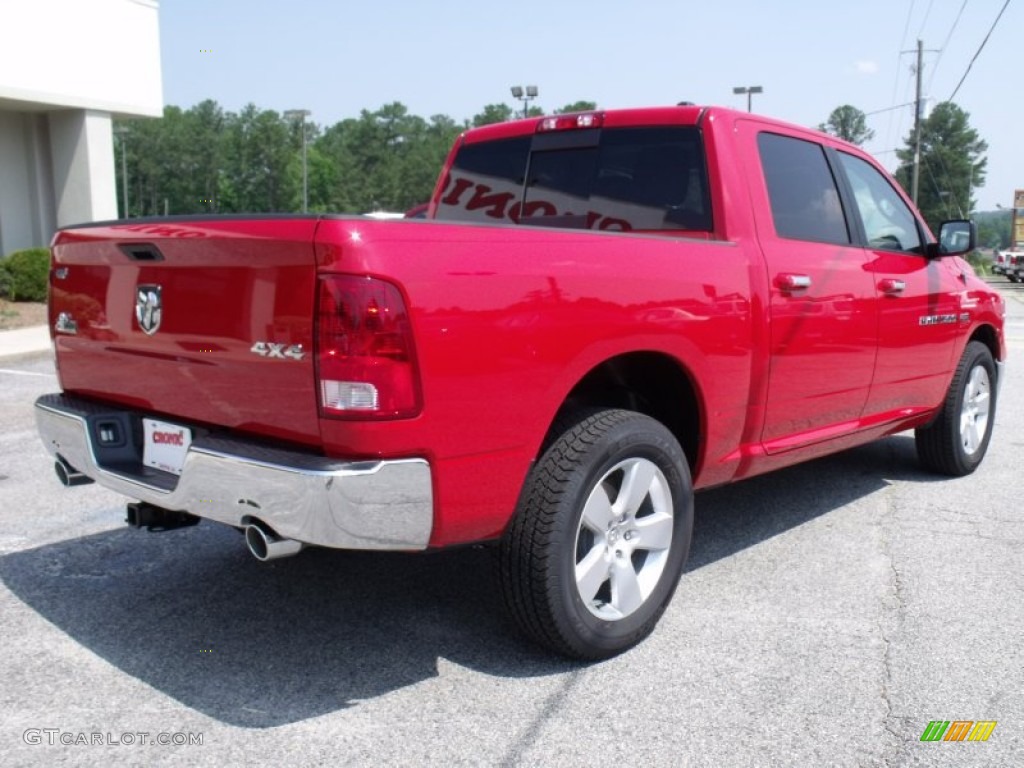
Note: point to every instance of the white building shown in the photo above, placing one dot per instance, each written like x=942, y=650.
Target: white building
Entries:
x=66, y=68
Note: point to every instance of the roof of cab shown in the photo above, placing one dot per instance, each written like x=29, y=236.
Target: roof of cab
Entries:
x=680, y=115
x=683, y=114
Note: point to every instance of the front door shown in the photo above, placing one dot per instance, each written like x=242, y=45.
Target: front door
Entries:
x=918, y=298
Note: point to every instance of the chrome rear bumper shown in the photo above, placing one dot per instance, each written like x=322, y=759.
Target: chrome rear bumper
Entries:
x=312, y=499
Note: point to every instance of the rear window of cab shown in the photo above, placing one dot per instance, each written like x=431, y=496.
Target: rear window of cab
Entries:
x=614, y=179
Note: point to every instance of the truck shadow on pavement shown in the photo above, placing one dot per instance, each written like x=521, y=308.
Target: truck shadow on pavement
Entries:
x=733, y=517
x=257, y=645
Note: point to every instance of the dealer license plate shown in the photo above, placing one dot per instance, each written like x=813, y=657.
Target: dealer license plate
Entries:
x=165, y=445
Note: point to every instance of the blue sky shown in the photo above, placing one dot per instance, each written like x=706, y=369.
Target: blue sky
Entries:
x=445, y=57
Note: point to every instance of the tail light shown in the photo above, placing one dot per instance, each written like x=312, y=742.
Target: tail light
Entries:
x=365, y=357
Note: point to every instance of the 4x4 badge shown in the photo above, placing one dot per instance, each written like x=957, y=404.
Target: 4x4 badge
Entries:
x=148, y=307
x=280, y=351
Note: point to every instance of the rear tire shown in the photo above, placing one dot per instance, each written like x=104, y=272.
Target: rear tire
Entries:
x=955, y=442
x=600, y=535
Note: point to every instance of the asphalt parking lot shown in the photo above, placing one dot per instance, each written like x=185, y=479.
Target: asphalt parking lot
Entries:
x=829, y=612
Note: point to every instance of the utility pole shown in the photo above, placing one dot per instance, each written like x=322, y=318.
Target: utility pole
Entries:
x=916, y=170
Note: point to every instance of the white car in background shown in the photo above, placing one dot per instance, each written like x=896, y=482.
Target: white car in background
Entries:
x=1011, y=264
x=1015, y=267
x=384, y=215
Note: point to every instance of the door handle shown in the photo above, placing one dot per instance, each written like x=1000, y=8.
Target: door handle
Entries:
x=790, y=282
x=892, y=287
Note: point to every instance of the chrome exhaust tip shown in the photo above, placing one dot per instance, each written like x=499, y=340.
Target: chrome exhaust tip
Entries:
x=68, y=475
x=266, y=545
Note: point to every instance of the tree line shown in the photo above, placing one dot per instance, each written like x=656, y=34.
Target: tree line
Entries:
x=952, y=164
x=208, y=160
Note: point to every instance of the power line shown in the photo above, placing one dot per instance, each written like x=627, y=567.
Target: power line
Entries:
x=906, y=25
x=950, y=184
x=899, y=56
x=889, y=109
x=938, y=192
x=978, y=52
x=945, y=43
x=927, y=13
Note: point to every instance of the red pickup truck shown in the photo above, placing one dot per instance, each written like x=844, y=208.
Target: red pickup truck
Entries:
x=602, y=313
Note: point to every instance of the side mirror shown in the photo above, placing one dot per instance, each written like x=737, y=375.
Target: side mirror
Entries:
x=956, y=237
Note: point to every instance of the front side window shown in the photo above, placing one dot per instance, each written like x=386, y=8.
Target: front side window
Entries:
x=615, y=179
x=802, y=191
x=888, y=222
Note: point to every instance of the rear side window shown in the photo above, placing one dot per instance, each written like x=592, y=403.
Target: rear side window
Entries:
x=802, y=191
x=613, y=179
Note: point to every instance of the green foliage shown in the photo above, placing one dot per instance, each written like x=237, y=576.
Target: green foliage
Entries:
x=952, y=165
x=494, y=113
x=24, y=275
x=260, y=148
x=994, y=229
x=848, y=123
x=174, y=164
x=384, y=160
x=577, y=106
x=981, y=262
x=206, y=160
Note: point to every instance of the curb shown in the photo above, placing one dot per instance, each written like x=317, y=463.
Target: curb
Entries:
x=25, y=341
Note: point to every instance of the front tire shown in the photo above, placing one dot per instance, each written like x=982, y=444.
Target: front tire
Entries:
x=955, y=442
x=600, y=535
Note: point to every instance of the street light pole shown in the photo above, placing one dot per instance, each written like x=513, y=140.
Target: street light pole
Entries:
x=302, y=114
x=750, y=91
x=525, y=97
x=121, y=132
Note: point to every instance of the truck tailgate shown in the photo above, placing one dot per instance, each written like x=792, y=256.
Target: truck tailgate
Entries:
x=207, y=321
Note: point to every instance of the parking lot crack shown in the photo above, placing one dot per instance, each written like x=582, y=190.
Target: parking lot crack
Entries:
x=890, y=623
x=530, y=734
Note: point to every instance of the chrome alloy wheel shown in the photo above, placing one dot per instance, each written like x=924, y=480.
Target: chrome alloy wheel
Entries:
x=623, y=539
x=594, y=553
x=974, y=413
